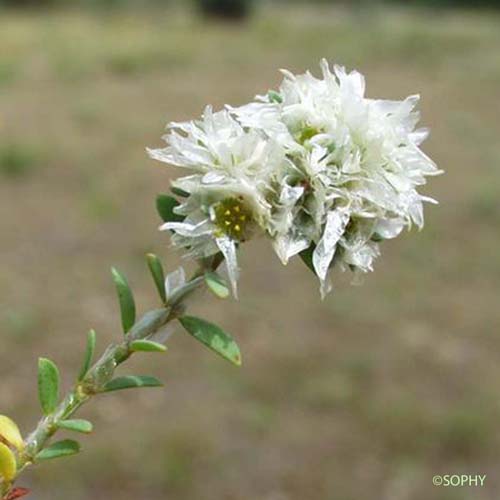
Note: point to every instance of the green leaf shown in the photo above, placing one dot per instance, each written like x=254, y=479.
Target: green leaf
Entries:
x=217, y=285
x=307, y=257
x=76, y=425
x=89, y=354
x=158, y=274
x=376, y=237
x=213, y=337
x=63, y=448
x=147, y=346
x=126, y=299
x=165, y=205
x=151, y=322
x=275, y=96
x=131, y=382
x=48, y=385
x=179, y=192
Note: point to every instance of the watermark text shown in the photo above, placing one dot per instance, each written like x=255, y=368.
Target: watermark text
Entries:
x=459, y=480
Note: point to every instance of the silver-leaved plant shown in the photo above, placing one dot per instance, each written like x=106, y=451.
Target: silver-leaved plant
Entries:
x=317, y=168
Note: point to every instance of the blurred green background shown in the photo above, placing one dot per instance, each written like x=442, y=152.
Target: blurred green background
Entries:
x=365, y=395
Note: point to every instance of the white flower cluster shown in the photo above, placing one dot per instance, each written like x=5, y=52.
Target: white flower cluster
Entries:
x=316, y=167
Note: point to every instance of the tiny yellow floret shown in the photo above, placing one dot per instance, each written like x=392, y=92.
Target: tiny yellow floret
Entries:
x=233, y=218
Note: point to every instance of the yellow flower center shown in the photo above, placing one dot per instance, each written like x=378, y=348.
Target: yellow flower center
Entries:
x=307, y=133
x=233, y=218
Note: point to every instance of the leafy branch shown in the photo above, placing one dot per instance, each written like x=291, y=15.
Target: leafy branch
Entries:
x=143, y=335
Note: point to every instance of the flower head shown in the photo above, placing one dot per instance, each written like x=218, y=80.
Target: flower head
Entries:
x=313, y=166
x=228, y=194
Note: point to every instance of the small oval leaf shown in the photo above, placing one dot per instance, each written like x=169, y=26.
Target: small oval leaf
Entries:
x=165, y=205
x=131, y=382
x=217, y=285
x=89, y=354
x=213, y=337
x=275, y=96
x=307, y=257
x=174, y=281
x=126, y=300
x=158, y=274
x=48, y=385
x=147, y=346
x=179, y=192
x=8, y=466
x=150, y=322
x=9, y=432
x=63, y=448
x=76, y=425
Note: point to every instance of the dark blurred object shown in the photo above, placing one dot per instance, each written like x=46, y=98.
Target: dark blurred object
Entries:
x=105, y=4
x=27, y=3
x=226, y=9
x=455, y=3
x=414, y=3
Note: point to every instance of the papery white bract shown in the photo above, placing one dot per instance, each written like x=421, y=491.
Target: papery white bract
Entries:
x=174, y=281
x=315, y=165
x=229, y=191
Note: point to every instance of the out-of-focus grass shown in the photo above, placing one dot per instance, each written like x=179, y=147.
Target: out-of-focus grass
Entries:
x=369, y=393
x=17, y=159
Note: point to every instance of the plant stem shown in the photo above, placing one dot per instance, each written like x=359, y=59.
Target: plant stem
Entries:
x=102, y=372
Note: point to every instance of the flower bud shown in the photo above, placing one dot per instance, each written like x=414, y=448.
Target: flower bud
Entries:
x=8, y=467
x=9, y=433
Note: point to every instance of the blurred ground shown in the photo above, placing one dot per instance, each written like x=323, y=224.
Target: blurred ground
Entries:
x=366, y=395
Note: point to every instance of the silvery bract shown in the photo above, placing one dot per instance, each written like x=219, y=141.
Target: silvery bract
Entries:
x=315, y=166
